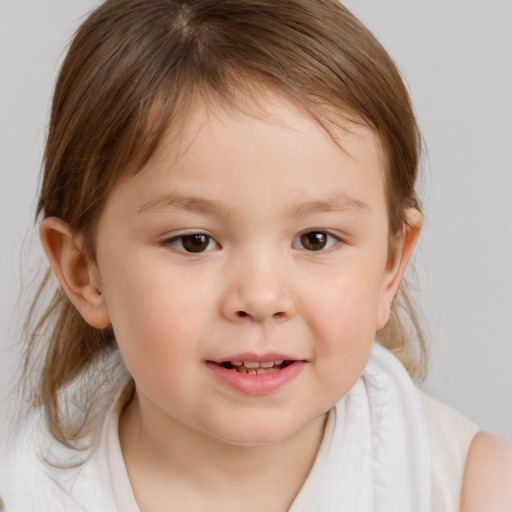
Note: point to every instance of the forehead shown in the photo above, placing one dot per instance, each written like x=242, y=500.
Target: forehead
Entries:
x=207, y=117
x=265, y=146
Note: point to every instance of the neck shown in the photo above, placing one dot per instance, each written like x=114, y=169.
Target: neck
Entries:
x=163, y=453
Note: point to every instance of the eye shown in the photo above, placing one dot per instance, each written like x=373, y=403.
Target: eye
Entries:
x=315, y=241
x=193, y=243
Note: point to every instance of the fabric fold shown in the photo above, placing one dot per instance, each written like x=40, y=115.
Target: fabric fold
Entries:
x=379, y=456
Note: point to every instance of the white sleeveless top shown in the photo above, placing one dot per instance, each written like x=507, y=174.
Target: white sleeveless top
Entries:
x=435, y=433
x=450, y=435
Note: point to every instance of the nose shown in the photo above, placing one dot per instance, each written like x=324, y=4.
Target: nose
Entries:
x=258, y=291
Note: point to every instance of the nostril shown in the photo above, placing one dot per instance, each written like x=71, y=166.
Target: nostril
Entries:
x=279, y=315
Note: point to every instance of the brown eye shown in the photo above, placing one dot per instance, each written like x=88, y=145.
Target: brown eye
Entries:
x=194, y=243
x=315, y=241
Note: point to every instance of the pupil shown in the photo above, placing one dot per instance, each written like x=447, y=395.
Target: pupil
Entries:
x=195, y=243
x=314, y=240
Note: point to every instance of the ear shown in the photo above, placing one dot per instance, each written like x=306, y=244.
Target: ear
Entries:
x=397, y=263
x=78, y=276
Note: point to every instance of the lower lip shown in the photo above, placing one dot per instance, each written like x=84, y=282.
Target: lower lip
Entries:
x=256, y=385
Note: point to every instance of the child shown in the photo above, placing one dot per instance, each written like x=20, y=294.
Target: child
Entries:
x=228, y=205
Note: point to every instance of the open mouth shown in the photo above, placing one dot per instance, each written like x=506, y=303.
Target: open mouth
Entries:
x=255, y=368
x=256, y=375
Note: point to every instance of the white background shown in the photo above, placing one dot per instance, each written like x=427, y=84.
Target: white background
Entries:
x=456, y=56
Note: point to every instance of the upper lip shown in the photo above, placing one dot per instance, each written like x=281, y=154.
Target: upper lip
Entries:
x=257, y=358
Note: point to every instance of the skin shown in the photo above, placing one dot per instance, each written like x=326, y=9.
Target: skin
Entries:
x=488, y=475
x=253, y=186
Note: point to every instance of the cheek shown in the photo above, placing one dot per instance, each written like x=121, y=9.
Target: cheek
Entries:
x=155, y=317
x=343, y=321
x=346, y=309
x=347, y=338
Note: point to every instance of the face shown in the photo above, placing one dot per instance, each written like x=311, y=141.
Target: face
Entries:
x=246, y=274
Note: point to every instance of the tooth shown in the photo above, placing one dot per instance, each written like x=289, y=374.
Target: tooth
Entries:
x=273, y=370
x=250, y=364
x=277, y=363
x=236, y=363
x=268, y=364
x=251, y=372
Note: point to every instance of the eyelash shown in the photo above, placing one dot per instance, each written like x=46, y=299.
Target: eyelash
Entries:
x=178, y=242
x=327, y=241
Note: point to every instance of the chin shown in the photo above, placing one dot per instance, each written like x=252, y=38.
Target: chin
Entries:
x=259, y=431
x=261, y=439
x=252, y=437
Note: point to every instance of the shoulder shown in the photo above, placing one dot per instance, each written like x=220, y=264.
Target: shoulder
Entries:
x=22, y=483
x=450, y=435
x=38, y=473
x=18, y=451
x=487, y=483
x=450, y=432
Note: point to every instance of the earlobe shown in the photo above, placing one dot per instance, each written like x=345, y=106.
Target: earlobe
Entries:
x=77, y=275
x=397, y=264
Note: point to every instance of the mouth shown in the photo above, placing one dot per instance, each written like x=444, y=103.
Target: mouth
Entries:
x=256, y=368
x=256, y=375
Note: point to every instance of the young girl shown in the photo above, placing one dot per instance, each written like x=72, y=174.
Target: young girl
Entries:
x=228, y=205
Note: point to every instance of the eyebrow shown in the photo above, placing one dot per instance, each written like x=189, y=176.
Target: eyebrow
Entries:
x=340, y=203
x=190, y=204
x=337, y=203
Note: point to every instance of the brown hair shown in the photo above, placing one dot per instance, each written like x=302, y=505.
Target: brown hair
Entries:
x=132, y=70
